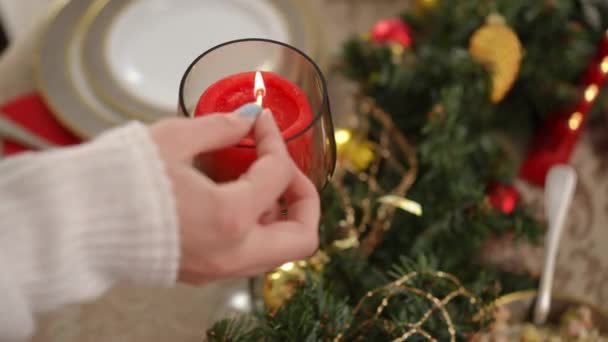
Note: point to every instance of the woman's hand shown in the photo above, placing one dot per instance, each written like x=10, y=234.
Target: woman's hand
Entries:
x=234, y=229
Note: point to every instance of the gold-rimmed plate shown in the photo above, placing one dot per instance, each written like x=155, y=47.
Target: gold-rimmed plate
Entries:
x=68, y=78
x=60, y=76
x=135, y=51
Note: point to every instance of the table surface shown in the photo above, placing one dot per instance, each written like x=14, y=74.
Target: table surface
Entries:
x=182, y=313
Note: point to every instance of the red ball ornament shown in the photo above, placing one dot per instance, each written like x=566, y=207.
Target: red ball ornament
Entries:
x=392, y=30
x=503, y=197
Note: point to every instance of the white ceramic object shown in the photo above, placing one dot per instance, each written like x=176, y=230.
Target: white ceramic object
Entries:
x=151, y=42
x=59, y=74
x=141, y=49
x=560, y=186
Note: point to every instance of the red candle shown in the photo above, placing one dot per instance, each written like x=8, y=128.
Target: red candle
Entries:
x=290, y=108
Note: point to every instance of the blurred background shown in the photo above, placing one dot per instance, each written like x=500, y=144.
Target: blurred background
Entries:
x=477, y=89
x=3, y=40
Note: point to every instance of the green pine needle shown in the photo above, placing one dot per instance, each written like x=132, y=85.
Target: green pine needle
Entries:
x=460, y=149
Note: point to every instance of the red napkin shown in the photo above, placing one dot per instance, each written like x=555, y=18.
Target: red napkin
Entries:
x=30, y=112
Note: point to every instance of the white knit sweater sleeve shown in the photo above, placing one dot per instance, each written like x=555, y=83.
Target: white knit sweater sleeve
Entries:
x=77, y=220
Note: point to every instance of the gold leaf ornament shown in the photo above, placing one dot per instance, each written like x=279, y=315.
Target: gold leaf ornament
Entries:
x=496, y=45
x=422, y=7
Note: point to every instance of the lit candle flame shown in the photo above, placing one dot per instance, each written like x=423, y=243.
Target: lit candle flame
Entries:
x=259, y=90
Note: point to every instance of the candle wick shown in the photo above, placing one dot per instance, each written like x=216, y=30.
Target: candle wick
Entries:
x=259, y=89
x=259, y=94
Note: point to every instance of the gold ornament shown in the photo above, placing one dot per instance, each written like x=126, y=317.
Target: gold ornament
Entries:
x=497, y=45
x=342, y=136
x=361, y=155
x=280, y=284
x=422, y=7
x=356, y=153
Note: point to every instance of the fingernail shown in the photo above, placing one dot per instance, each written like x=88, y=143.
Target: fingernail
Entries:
x=250, y=110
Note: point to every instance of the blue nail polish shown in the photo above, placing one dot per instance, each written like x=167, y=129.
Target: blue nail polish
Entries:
x=250, y=110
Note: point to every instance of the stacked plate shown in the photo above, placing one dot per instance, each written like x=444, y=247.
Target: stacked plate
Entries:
x=101, y=63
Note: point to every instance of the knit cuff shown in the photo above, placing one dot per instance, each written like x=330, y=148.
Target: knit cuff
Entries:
x=74, y=221
x=144, y=248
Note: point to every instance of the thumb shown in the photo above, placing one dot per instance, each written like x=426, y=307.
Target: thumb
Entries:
x=184, y=138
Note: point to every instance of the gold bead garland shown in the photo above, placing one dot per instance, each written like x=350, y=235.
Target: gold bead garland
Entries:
x=403, y=286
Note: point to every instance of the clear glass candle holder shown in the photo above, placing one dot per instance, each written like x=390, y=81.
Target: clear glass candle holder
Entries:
x=310, y=141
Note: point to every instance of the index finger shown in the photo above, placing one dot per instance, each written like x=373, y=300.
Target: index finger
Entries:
x=184, y=138
x=268, y=138
x=272, y=172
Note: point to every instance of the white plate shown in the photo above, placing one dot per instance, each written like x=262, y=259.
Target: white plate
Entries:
x=152, y=42
x=61, y=79
x=142, y=54
x=135, y=51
